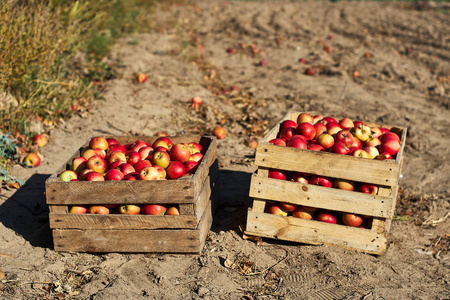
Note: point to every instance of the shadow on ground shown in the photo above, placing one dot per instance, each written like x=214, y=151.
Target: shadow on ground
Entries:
x=26, y=212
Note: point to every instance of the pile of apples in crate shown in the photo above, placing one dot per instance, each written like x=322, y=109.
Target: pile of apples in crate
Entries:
x=345, y=137
x=107, y=160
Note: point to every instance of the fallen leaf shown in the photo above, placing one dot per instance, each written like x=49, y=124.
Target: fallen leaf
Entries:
x=14, y=185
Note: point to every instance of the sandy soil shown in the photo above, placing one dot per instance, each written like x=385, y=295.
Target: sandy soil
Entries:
x=404, y=82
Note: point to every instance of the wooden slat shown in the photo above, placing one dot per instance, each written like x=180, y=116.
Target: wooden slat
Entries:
x=203, y=170
x=93, y=222
x=320, y=197
x=384, y=172
x=206, y=221
x=204, y=197
x=315, y=232
x=58, y=209
x=379, y=224
x=260, y=204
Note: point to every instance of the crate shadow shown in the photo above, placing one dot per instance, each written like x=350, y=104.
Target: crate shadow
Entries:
x=230, y=210
x=26, y=212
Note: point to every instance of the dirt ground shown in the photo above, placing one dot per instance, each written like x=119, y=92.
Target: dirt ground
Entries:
x=404, y=80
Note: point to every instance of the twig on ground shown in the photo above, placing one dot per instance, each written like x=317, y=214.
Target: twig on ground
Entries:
x=430, y=222
x=268, y=268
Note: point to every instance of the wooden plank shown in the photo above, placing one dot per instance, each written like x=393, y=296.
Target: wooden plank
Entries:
x=320, y=197
x=204, y=198
x=203, y=170
x=206, y=221
x=58, y=209
x=186, y=209
x=115, y=221
x=334, y=165
x=315, y=232
x=260, y=204
x=379, y=224
x=134, y=241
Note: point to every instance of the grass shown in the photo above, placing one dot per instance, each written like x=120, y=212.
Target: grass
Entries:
x=42, y=74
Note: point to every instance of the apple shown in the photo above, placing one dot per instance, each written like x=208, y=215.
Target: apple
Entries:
x=352, y=219
x=163, y=141
x=196, y=157
x=307, y=130
x=40, y=140
x=116, y=147
x=320, y=128
x=340, y=148
x=331, y=125
x=175, y=170
x=144, y=152
x=361, y=131
x=356, y=143
x=325, y=140
x=220, y=132
x=149, y=173
x=131, y=176
x=98, y=142
x=305, y=118
x=141, y=77
x=83, y=173
x=325, y=216
x=160, y=148
x=100, y=152
x=298, y=142
x=126, y=168
x=129, y=209
x=367, y=188
x=97, y=164
x=172, y=211
x=141, y=164
x=389, y=135
x=383, y=156
x=310, y=208
x=302, y=213
x=68, y=175
x=328, y=119
x=98, y=209
x=153, y=209
x=78, y=209
x=334, y=130
x=196, y=102
x=289, y=207
x=137, y=145
x=162, y=172
x=375, y=132
x=286, y=124
x=345, y=137
x=113, y=175
x=299, y=177
x=346, y=123
x=191, y=166
x=359, y=153
x=88, y=153
x=390, y=146
x=321, y=180
x=162, y=158
x=133, y=157
x=115, y=164
x=180, y=152
x=372, y=142
x=372, y=151
x=275, y=208
x=78, y=164
x=357, y=123
x=93, y=176
x=194, y=147
x=287, y=133
x=278, y=142
x=112, y=141
x=343, y=184
x=315, y=147
x=277, y=174
x=317, y=119
x=116, y=156
x=384, y=130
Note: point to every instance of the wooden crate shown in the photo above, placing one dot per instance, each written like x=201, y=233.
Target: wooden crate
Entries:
x=381, y=207
x=185, y=233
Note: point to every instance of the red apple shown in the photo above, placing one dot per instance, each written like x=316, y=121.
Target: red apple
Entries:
x=115, y=164
x=302, y=213
x=327, y=217
x=298, y=142
x=113, y=175
x=344, y=184
x=83, y=174
x=98, y=142
x=345, y=137
x=141, y=77
x=317, y=119
x=389, y=135
x=126, y=168
x=196, y=157
x=315, y=147
x=116, y=147
x=328, y=119
x=78, y=209
x=112, y=141
x=359, y=153
x=372, y=142
x=133, y=157
x=172, y=211
x=390, y=146
x=340, y=148
x=40, y=140
x=88, y=153
x=137, y=145
x=305, y=118
x=129, y=209
x=100, y=152
x=367, y=188
x=141, y=164
x=98, y=209
x=149, y=173
x=78, y=164
x=144, y=152
x=191, y=166
x=275, y=208
x=361, y=131
x=356, y=143
x=320, y=128
x=372, y=151
x=161, y=158
x=352, y=219
x=163, y=140
x=93, y=176
x=131, y=176
x=162, y=172
x=278, y=142
x=180, y=152
x=116, y=156
x=68, y=175
x=287, y=133
x=346, y=123
x=307, y=130
x=97, y=164
x=325, y=140
x=286, y=124
x=289, y=207
x=219, y=132
x=277, y=174
x=357, y=123
x=153, y=209
x=383, y=156
x=194, y=147
x=321, y=180
x=299, y=177
x=384, y=130
x=375, y=132
x=175, y=170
